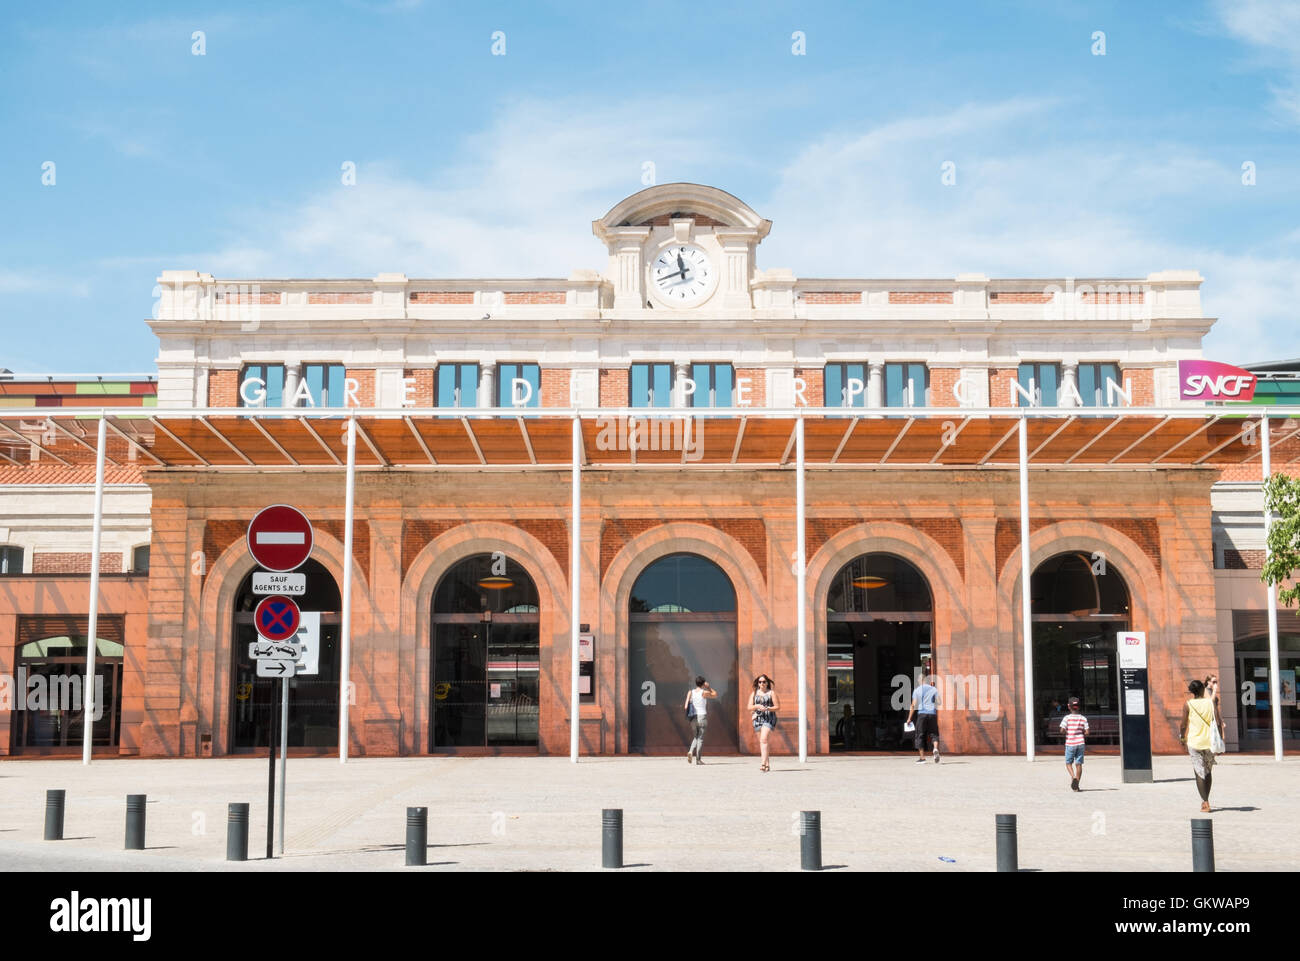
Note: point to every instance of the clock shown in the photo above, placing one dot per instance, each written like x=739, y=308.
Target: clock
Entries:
x=682, y=275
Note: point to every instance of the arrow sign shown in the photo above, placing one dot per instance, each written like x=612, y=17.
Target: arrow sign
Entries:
x=257, y=650
x=277, y=618
x=270, y=668
x=280, y=538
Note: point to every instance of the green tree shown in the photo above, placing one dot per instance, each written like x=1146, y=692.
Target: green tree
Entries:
x=1282, y=500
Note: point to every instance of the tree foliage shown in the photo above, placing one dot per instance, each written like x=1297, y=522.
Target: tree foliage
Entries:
x=1282, y=501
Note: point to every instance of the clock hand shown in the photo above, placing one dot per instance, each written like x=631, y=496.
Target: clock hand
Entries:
x=681, y=266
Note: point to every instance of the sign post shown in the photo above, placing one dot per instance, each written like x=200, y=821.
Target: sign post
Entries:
x=280, y=539
x=1134, y=708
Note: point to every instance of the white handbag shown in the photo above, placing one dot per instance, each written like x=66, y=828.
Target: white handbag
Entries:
x=1216, y=741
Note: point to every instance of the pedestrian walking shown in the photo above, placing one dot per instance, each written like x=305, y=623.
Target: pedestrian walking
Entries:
x=1200, y=717
x=1075, y=726
x=697, y=711
x=764, y=704
x=925, y=707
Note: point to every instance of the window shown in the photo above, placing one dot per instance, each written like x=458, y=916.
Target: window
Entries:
x=712, y=385
x=324, y=385
x=1044, y=379
x=11, y=560
x=845, y=385
x=526, y=393
x=651, y=385
x=140, y=560
x=261, y=385
x=907, y=385
x=1094, y=381
x=458, y=385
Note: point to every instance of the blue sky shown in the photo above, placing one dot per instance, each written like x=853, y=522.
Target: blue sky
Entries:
x=469, y=164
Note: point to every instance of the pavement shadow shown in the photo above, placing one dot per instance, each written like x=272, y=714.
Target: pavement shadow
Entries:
x=1094, y=790
x=161, y=847
x=638, y=865
x=428, y=847
x=1171, y=780
x=1246, y=808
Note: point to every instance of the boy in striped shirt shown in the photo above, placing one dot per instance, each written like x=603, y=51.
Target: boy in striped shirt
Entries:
x=1075, y=726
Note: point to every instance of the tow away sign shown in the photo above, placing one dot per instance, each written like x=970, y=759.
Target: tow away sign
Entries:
x=293, y=585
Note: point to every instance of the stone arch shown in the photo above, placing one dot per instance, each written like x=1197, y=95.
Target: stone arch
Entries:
x=438, y=557
x=697, y=198
x=753, y=617
x=1147, y=610
x=947, y=597
x=216, y=615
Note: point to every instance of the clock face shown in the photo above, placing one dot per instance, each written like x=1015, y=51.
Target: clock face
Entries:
x=682, y=275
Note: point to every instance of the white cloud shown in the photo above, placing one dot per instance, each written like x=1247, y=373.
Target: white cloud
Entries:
x=1272, y=27
x=518, y=199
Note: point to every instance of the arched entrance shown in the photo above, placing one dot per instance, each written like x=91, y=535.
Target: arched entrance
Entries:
x=681, y=623
x=1078, y=606
x=486, y=626
x=879, y=638
x=313, y=692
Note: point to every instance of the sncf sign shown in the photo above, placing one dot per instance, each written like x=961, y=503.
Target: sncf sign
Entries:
x=1210, y=380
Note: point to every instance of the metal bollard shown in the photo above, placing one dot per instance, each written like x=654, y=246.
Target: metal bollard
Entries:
x=810, y=840
x=1202, y=845
x=1008, y=847
x=237, y=832
x=54, y=800
x=135, y=822
x=611, y=838
x=417, y=837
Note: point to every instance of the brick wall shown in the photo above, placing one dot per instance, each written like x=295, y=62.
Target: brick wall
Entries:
x=423, y=395
x=555, y=387
x=247, y=297
x=321, y=297
x=223, y=388
x=75, y=563
x=220, y=534
x=1235, y=560
x=1111, y=297
x=920, y=296
x=749, y=532
x=942, y=381
x=614, y=388
x=365, y=392
x=1143, y=383
x=831, y=297
x=757, y=387
x=535, y=297
x=1142, y=531
x=1019, y=297
x=554, y=534
x=814, y=393
x=1000, y=381
x=442, y=296
x=946, y=530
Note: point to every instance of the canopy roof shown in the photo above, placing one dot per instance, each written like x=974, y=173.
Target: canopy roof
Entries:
x=744, y=438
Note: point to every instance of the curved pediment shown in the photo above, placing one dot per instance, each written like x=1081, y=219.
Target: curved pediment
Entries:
x=657, y=206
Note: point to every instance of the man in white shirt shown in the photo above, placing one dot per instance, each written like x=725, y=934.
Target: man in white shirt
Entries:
x=697, y=709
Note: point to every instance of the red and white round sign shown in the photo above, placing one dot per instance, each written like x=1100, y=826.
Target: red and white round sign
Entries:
x=279, y=538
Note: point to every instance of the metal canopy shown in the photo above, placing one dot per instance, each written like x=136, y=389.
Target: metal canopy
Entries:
x=614, y=438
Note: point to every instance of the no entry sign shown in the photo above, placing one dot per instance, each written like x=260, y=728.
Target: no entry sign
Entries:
x=279, y=538
x=277, y=618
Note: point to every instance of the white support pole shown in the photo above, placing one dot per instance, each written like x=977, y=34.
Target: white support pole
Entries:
x=801, y=584
x=345, y=638
x=575, y=588
x=1026, y=619
x=284, y=757
x=1274, y=659
x=96, y=537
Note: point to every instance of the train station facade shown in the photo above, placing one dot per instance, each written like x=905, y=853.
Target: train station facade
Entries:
x=710, y=415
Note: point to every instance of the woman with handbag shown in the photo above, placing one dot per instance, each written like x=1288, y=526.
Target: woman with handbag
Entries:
x=763, y=704
x=1200, y=717
x=1221, y=729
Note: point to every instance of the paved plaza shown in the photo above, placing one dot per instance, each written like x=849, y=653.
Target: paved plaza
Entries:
x=543, y=814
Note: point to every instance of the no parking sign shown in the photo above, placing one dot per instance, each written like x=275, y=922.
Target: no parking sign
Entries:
x=277, y=618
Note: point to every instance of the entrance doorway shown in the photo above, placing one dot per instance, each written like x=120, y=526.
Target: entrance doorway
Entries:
x=1255, y=699
x=48, y=687
x=879, y=640
x=313, y=698
x=486, y=630
x=1079, y=605
x=681, y=624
